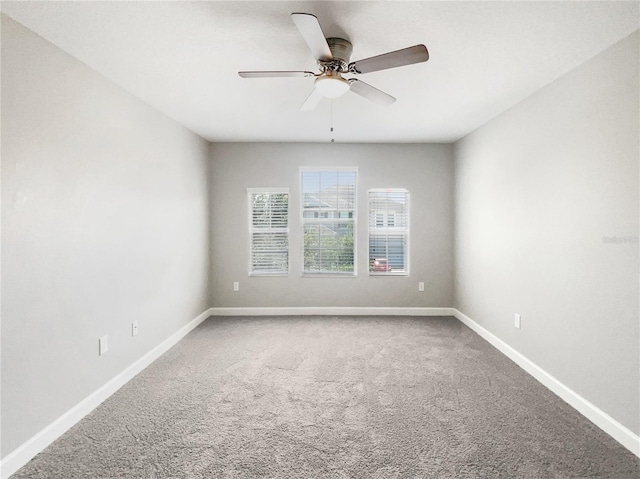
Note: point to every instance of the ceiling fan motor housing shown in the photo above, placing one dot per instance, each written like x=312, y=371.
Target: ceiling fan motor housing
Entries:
x=341, y=50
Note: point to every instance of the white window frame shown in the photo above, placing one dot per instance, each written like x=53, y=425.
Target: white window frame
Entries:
x=353, y=220
x=385, y=229
x=253, y=229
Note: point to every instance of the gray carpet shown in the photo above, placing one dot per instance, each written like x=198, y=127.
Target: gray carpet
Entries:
x=344, y=397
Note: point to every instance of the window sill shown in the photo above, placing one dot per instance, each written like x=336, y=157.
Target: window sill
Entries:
x=328, y=275
x=391, y=273
x=267, y=275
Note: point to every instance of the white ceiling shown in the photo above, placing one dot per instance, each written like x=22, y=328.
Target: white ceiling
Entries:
x=183, y=59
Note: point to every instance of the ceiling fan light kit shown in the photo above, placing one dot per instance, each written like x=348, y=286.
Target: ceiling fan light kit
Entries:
x=331, y=86
x=333, y=55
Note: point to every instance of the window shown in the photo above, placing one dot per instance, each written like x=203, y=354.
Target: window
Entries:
x=268, y=231
x=388, y=231
x=328, y=220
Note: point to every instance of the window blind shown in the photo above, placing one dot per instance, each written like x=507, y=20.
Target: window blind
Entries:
x=388, y=231
x=328, y=221
x=269, y=231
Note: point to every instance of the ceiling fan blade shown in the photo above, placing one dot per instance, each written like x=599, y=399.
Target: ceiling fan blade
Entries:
x=399, y=58
x=275, y=74
x=312, y=33
x=312, y=101
x=370, y=93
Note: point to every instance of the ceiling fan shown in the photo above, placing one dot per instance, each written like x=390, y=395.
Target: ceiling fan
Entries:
x=333, y=55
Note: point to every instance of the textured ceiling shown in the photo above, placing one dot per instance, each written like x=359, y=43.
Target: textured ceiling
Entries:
x=183, y=58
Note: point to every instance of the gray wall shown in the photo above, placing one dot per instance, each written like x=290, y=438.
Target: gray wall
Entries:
x=104, y=221
x=426, y=170
x=540, y=193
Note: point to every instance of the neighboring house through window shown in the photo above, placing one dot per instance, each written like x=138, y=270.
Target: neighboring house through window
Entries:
x=328, y=220
x=388, y=231
x=268, y=231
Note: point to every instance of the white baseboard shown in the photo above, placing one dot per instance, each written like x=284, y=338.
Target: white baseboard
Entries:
x=24, y=453
x=613, y=428
x=332, y=311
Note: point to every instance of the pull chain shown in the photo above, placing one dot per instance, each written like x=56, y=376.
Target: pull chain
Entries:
x=331, y=109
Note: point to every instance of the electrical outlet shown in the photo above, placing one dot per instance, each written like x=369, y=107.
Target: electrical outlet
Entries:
x=236, y=286
x=103, y=345
x=421, y=286
x=517, y=320
x=134, y=328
